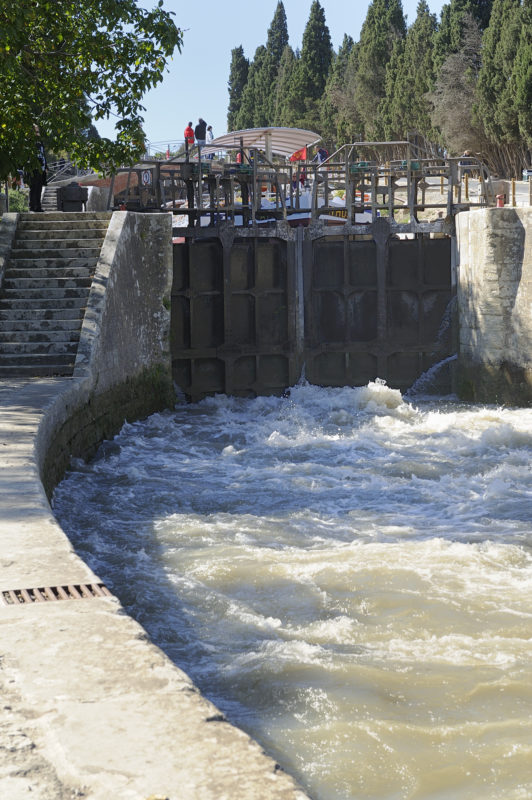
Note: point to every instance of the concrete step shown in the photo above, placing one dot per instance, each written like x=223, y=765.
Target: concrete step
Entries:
x=21, y=285
x=40, y=303
x=37, y=349
x=51, y=364
x=15, y=326
x=66, y=216
x=41, y=370
x=37, y=315
x=54, y=263
x=58, y=234
x=10, y=295
x=27, y=360
x=57, y=244
x=48, y=253
x=40, y=223
x=51, y=272
x=37, y=336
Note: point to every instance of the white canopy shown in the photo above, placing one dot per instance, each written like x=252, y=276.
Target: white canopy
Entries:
x=282, y=141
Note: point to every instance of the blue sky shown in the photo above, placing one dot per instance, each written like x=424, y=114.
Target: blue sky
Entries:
x=196, y=84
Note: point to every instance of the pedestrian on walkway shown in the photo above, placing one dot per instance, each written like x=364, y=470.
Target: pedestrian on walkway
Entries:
x=200, y=132
x=189, y=136
x=210, y=137
x=38, y=174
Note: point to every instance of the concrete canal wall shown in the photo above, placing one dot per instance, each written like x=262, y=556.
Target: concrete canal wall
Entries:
x=494, y=255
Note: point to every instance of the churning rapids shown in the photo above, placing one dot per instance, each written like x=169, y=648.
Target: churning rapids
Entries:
x=346, y=573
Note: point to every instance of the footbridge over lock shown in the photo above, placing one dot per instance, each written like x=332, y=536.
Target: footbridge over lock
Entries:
x=340, y=271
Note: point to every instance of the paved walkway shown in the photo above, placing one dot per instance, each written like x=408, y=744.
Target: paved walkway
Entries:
x=89, y=707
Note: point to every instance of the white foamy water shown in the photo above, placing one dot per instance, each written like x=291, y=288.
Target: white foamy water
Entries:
x=347, y=575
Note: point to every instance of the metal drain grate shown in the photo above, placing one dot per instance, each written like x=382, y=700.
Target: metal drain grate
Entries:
x=45, y=594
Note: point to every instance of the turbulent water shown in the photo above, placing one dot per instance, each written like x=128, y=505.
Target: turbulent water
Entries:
x=346, y=573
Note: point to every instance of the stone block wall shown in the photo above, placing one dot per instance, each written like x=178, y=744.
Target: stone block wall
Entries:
x=494, y=254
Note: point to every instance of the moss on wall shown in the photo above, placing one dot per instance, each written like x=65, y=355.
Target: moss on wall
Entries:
x=102, y=416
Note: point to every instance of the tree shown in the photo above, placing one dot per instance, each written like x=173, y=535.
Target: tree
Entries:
x=454, y=94
x=334, y=90
x=281, y=111
x=383, y=26
x=522, y=79
x=409, y=77
x=449, y=36
x=501, y=73
x=238, y=75
x=311, y=71
x=67, y=63
x=250, y=107
x=266, y=78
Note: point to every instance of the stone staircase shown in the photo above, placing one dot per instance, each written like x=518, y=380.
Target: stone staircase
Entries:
x=49, y=198
x=45, y=291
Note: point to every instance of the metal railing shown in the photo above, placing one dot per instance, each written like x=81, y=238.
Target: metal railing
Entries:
x=355, y=184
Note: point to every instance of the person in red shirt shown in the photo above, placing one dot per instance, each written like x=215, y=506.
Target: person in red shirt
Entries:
x=189, y=136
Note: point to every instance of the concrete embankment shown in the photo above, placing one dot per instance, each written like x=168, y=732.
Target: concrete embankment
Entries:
x=90, y=707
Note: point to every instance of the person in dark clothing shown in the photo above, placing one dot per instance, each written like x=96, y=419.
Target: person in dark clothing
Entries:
x=200, y=132
x=38, y=175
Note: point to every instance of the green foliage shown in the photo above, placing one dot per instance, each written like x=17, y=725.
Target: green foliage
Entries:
x=310, y=73
x=249, y=108
x=332, y=100
x=267, y=73
x=238, y=76
x=383, y=27
x=409, y=77
x=453, y=98
x=281, y=111
x=18, y=200
x=449, y=37
x=495, y=105
x=522, y=77
x=67, y=63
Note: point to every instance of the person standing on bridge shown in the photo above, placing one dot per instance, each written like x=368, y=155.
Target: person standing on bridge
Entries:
x=209, y=138
x=189, y=137
x=200, y=132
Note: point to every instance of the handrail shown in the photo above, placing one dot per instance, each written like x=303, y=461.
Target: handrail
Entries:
x=396, y=189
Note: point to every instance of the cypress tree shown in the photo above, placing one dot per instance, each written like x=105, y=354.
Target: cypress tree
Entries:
x=499, y=48
x=350, y=126
x=250, y=106
x=332, y=100
x=522, y=79
x=238, y=75
x=311, y=71
x=281, y=111
x=449, y=36
x=266, y=77
x=454, y=95
x=409, y=78
x=383, y=26
x=497, y=102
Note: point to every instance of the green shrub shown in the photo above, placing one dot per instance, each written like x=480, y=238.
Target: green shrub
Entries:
x=18, y=200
